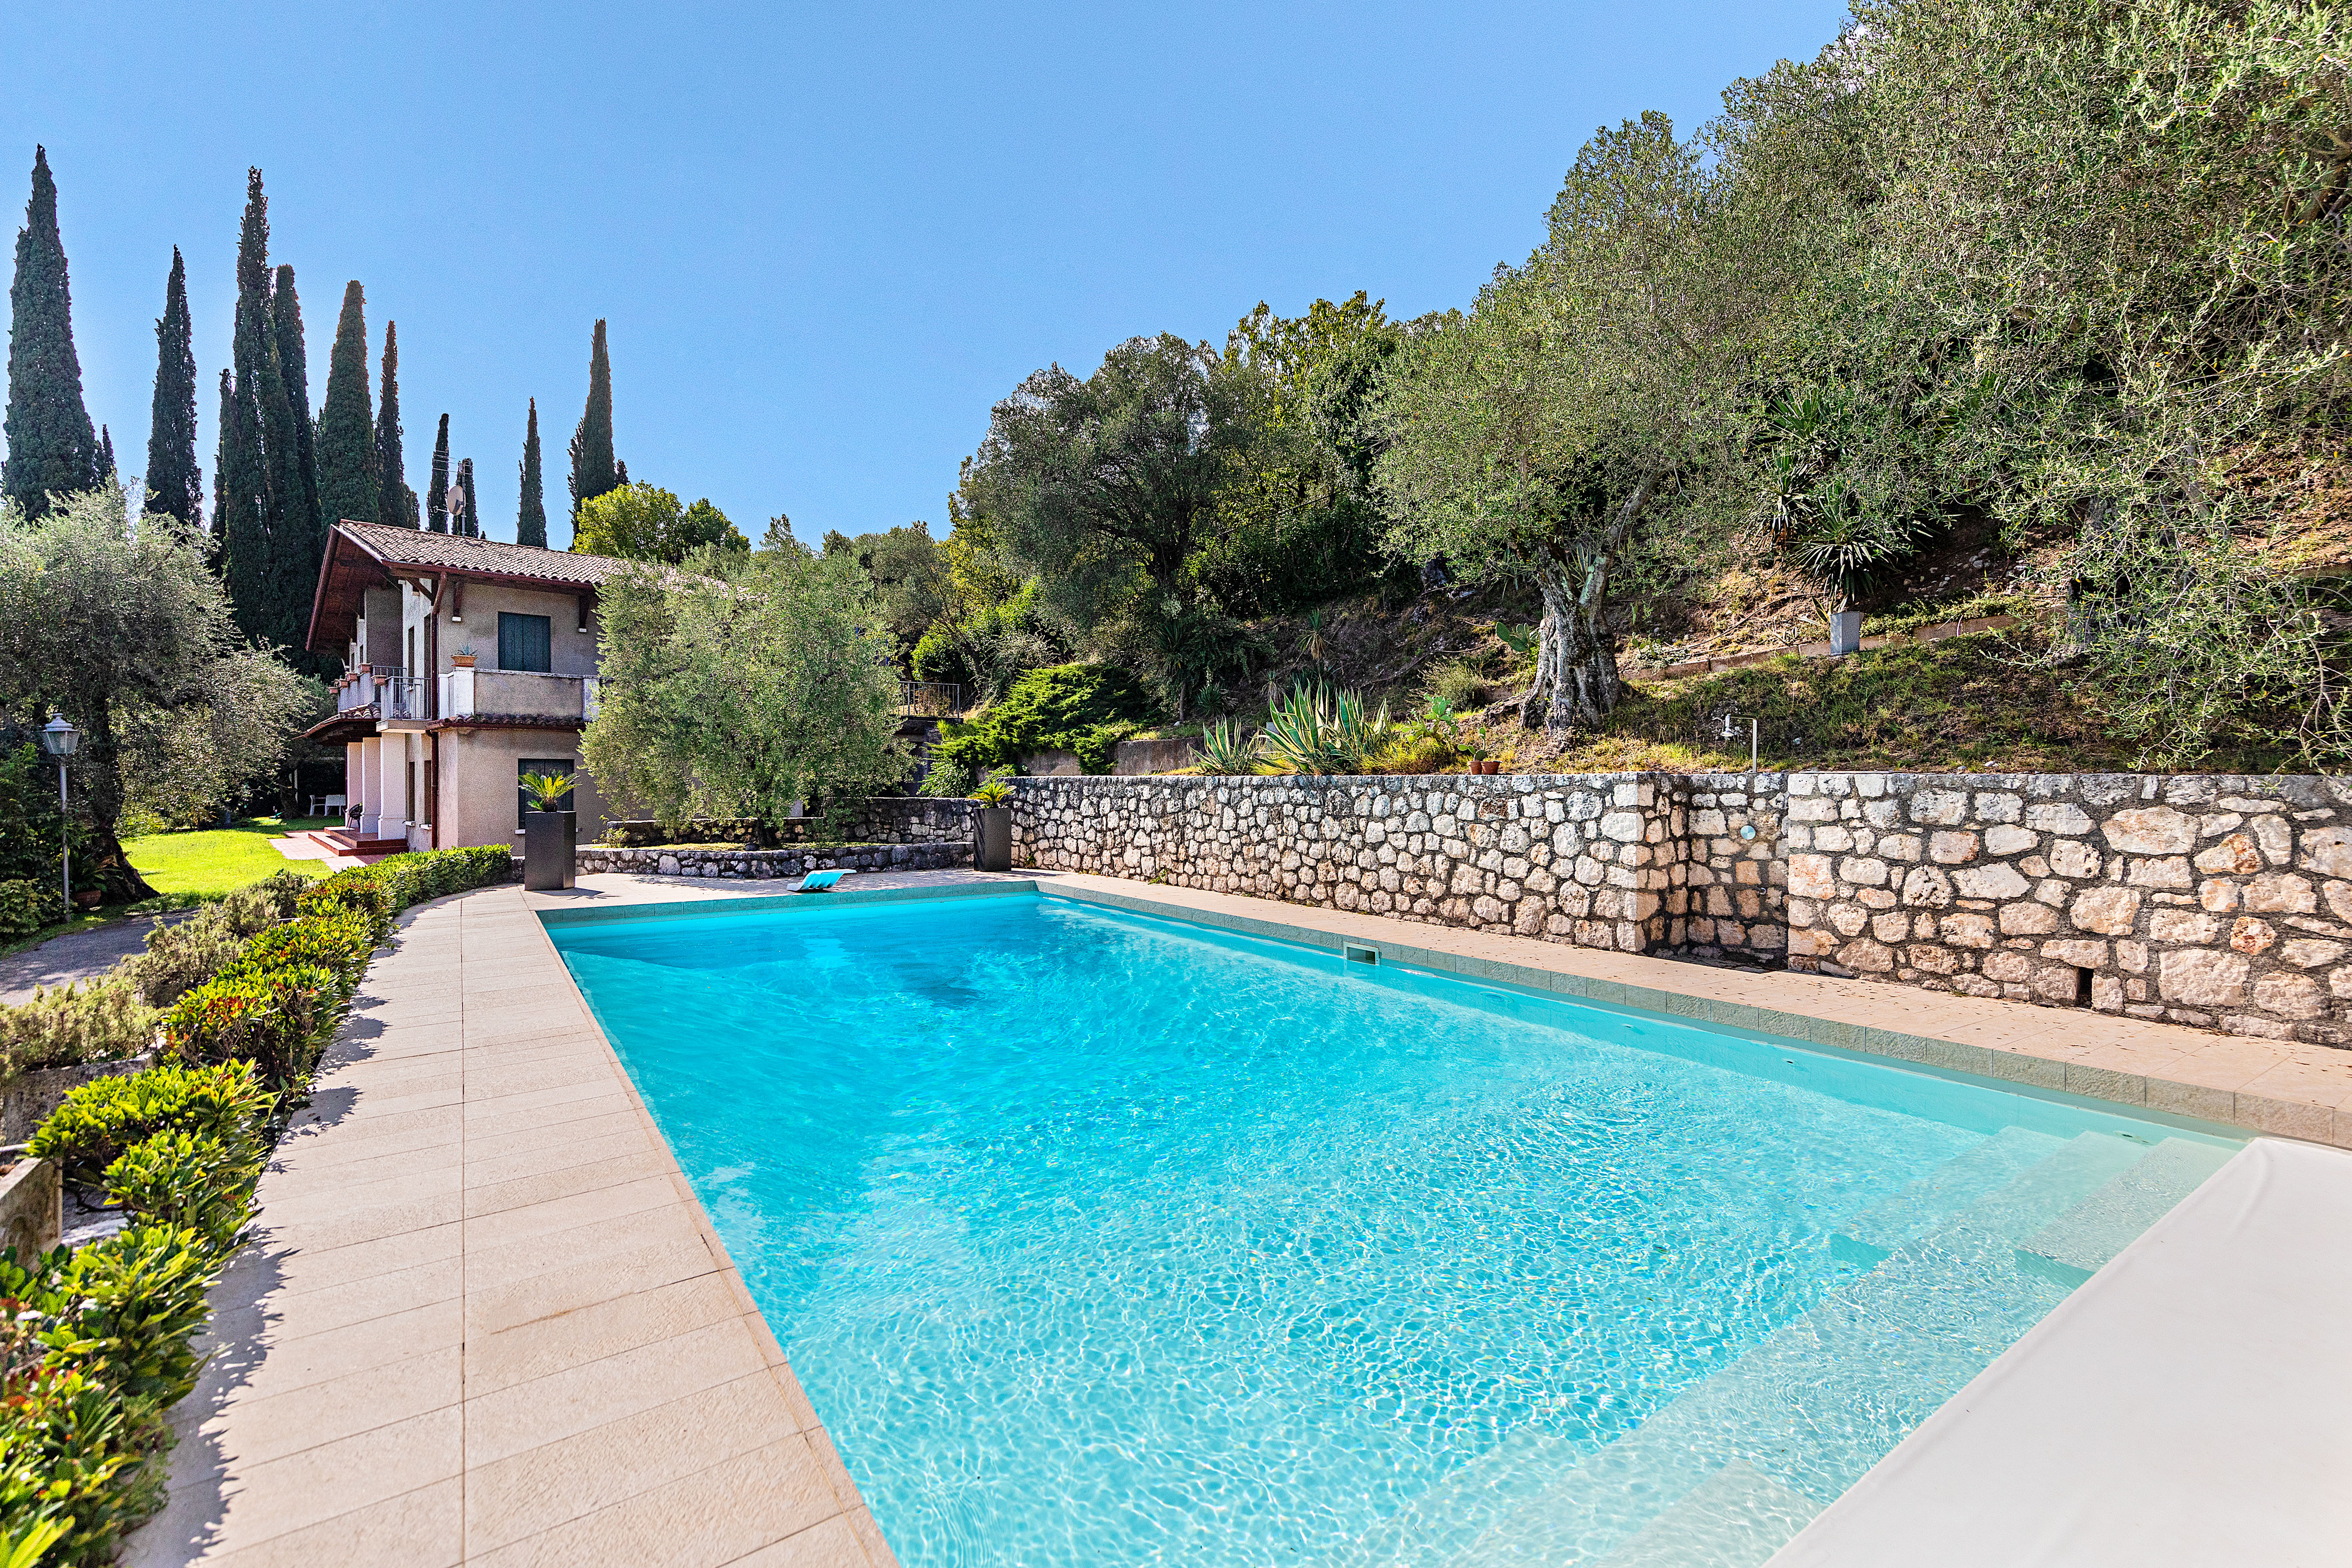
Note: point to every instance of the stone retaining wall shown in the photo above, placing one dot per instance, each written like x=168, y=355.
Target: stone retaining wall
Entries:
x=1582, y=859
x=668, y=860
x=2218, y=902
x=881, y=819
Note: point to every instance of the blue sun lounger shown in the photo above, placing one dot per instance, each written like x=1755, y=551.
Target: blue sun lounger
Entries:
x=818, y=882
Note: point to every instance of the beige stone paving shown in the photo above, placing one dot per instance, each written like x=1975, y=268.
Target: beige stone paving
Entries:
x=485, y=1320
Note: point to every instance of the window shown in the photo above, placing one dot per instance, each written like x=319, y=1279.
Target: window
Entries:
x=523, y=642
x=554, y=767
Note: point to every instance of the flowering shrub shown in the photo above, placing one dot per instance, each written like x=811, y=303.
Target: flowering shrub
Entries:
x=279, y=1018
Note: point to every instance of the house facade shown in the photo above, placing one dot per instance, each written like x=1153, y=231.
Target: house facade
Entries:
x=468, y=662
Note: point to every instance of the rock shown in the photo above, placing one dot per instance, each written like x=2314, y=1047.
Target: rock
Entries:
x=1942, y=808
x=1995, y=881
x=2079, y=952
x=2250, y=936
x=2236, y=853
x=2280, y=892
x=2112, y=911
x=2028, y=920
x=1954, y=848
x=2150, y=830
x=2006, y=840
x=2327, y=851
x=2201, y=978
x=2071, y=857
x=2058, y=817
x=2289, y=996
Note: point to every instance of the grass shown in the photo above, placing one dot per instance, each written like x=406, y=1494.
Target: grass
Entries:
x=210, y=862
x=192, y=867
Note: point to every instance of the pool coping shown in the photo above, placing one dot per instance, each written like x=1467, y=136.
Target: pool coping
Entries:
x=484, y=1317
x=2163, y=1072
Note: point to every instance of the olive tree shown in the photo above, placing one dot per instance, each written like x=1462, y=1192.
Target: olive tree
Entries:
x=1537, y=435
x=124, y=629
x=743, y=687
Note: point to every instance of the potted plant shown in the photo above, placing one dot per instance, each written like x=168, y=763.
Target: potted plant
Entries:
x=992, y=826
x=463, y=658
x=550, y=836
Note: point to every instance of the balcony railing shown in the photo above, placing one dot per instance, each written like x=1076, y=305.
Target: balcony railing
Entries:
x=391, y=691
x=466, y=693
x=929, y=698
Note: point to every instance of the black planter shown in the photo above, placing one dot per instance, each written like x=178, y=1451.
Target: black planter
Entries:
x=991, y=848
x=549, y=842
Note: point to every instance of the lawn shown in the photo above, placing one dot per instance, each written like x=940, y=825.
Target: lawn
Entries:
x=209, y=862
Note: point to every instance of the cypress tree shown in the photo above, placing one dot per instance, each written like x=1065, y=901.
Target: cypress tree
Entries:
x=173, y=482
x=297, y=541
x=294, y=358
x=591, y=443
x=472, y=528
x=237, y=502
x=346, y=442
x=252, y=401
x=437, y=497
x=530, y=519
x=395, y=502
x=51, y=445
x=105, y=454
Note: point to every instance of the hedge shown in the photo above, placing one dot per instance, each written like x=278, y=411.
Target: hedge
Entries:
x=97, y=1343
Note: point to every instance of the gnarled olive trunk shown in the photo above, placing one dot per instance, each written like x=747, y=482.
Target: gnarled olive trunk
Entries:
x=1577, y=684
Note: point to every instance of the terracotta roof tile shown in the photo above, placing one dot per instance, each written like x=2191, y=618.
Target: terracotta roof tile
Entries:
x=457, y=552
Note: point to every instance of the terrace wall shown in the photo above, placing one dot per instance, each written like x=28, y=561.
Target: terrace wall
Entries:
x=2213, y=901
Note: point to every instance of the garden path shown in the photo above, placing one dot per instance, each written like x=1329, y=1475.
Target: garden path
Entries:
x=77, y=955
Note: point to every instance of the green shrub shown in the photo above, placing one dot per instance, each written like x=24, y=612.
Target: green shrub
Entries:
x=277, y=1018
x=189, y=1180
x=27, y=906
x=391, y=885
x=1087, y=708
x=91, y=1021
x=112, y=1325
x=182, y=956
x=338, y=943
x=257, y=906
x=95, y=1123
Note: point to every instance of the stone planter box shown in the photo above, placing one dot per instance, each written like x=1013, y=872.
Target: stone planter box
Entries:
x=757, y=865
x=32, y=1207
x=26, y=1099
x=550, y=840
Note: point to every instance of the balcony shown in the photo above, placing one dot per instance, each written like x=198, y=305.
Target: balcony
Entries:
x=468, y=694
x=391, y=690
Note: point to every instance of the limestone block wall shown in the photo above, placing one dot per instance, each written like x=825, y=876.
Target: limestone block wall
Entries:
x=2218, y=902
x=1591, y=859
x=2206, y=899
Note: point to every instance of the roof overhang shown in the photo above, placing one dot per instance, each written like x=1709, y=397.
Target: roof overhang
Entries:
x=351, y=724
x=349, y=569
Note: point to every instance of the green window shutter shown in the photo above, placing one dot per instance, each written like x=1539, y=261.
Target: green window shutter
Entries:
x=524, y=642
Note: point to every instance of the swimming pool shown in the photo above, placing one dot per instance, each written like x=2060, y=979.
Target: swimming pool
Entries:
x=1106, y=1241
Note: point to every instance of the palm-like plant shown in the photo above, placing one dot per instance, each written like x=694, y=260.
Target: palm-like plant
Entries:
x=1319, y=730
x=1224, y=750
x=994, y=792
x=546, y=791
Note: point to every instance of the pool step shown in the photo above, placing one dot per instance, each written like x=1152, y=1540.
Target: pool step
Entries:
x=1727, y=1517
x=1805, y=1410
x=1952, y=1188
x=2073, y=1247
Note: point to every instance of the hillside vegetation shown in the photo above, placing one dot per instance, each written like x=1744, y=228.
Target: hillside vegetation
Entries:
x=1992, y=307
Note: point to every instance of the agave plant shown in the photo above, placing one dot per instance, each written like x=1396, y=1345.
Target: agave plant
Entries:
x=546, y=791
x=1225, y=749
x=1318, y=730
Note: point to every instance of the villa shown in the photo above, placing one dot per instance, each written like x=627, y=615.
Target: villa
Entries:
x=468, y=663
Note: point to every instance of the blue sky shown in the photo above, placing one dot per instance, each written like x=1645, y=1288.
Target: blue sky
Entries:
x=827, y=238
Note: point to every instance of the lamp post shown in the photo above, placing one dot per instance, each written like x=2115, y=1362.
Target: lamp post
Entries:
x=60, y=739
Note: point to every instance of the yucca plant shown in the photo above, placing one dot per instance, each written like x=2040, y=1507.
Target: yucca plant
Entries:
x=546, y=791
x=1226, y=751
x=1318, y=729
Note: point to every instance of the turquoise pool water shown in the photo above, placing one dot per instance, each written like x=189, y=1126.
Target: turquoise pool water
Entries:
x=1102, y=1241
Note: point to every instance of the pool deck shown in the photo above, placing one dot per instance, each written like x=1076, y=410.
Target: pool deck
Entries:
x=486, y=1321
